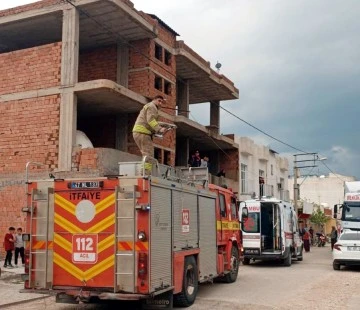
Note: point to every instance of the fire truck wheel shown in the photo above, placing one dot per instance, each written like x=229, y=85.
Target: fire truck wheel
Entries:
x=190, y=284
x=246, y=261
x=232, y=275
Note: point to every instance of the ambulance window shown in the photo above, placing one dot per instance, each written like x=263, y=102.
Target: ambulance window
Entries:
x=222, y=205
x=251, y=223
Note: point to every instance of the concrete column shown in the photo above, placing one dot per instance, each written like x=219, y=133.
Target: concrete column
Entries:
x=183, y=98
x=122, y=71
x=69, y=77
x=182, y=151
x=215, y=116
x=121, y=132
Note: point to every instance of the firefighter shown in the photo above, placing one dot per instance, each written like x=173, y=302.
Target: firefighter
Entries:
x=145, y=127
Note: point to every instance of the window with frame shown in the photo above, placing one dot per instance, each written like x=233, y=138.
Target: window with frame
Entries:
x=234, y=212
x=243, y=173
x=222, y=202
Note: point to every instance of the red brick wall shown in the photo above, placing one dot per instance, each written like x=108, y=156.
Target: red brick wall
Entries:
x=96, y=64
x=30, y=69
x=28, y=7
x=29, y=131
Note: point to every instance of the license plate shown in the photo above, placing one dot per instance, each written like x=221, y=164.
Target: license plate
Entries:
x=252, y=251
x=91, y=184
x=353, y=248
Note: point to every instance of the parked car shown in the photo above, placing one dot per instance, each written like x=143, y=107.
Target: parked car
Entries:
x=347, y=249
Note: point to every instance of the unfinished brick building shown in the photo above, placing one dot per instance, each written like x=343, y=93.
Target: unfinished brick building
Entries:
x=91, y=66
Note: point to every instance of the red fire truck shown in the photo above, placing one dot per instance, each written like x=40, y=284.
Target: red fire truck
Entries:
x=130, y=237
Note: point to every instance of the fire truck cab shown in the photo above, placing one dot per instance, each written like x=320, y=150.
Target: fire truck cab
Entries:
x=132, y=236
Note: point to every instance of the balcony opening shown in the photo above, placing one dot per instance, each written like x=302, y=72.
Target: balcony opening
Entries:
x=158, y=154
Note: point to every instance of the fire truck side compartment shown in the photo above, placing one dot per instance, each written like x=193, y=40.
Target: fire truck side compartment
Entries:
x=160, y=239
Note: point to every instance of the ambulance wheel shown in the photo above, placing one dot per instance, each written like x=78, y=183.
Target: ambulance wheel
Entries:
x=234, y=266
x=190, y=284
x=300, y=257
x=246, y=261
x=287, y=261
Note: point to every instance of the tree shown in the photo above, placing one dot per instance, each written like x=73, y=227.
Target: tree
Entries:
x=318, y=217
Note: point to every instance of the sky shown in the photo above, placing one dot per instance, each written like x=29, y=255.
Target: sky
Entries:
x=295, y=63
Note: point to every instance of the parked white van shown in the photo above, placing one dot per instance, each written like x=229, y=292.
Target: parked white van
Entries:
x=270, y=231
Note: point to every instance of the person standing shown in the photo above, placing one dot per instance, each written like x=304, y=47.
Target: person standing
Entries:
x=9, y=247
x=306, y=239
x=195, y=160
x=145, y=127
x=333, y=236
x=19, y=247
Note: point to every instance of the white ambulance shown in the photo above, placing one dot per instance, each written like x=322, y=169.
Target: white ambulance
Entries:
x=270, y=231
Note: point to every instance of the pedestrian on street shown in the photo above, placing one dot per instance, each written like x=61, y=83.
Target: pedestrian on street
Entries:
x=19, y=247
x=333, y=236
x=145, y=127
x=306, y=239
x=9, y=247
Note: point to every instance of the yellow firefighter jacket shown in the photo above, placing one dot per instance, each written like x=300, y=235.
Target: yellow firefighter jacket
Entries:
x=146, y=122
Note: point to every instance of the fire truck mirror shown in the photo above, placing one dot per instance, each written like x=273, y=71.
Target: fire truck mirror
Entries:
x=26, y=237
x=244, y=213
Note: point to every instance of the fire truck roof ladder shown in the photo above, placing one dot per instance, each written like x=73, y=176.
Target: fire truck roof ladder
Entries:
x=125, y=233
x=39, y=202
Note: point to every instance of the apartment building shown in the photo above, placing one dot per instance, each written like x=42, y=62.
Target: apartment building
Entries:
x=263, y=172
x=91, y=66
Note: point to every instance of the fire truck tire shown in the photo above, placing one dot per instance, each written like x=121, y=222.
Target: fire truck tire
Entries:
x=246, y=261
x=190, y=284
x=232, y=275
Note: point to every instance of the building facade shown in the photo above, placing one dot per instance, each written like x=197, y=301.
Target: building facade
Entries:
x=91, y=67
x=262, y=171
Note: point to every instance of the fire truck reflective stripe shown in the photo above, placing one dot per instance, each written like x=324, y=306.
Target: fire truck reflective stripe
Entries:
x=69, y=267
x=105, y=203
x=68, y=226
x=83, y=275
x=105, y=223
x=226, y=225
x=128, y=246
x=65, y=204
x=41, y=245
x=99, y=268
x=62, y=242
x=106, y=243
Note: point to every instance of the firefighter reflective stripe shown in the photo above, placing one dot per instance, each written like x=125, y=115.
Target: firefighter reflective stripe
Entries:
x=129, y=245
x=153, y=123
x=87, y=274
x=141, y=129
x=227, y=225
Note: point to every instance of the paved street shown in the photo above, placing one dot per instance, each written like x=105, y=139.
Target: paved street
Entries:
x=311, y=284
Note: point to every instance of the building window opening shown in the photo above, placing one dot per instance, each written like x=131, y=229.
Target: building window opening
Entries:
x=167, y=158
x=168, y=58
x=244, y=188
x=158, y=83
x=158, y=52
x=167, y=88
x=158, y=155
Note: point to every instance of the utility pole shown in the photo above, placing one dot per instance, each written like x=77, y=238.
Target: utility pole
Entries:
x=296, y=174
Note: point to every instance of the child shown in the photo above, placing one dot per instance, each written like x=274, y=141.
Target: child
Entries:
x=19, y=247
x=9, y=247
